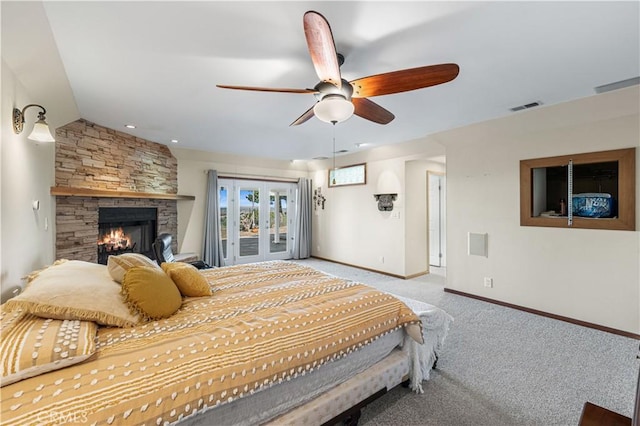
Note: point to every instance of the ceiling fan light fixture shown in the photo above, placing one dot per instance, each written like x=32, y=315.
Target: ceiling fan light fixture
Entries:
x=333, y=109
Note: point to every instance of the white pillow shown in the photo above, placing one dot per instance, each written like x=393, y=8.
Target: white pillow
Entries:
x=118, y=265
x=75, y=290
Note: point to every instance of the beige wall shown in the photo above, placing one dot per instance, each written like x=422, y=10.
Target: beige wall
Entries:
x=192, y=180
x=27, y=174
x=27, y=167
x=589, y=275
x=352, y=230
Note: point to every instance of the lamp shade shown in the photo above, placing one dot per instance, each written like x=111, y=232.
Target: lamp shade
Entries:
x=41, y=132
x=333, y=108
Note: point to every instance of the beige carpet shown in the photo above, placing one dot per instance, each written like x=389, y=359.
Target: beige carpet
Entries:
x=501, y=366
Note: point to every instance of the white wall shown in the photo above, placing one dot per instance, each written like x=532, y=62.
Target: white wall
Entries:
x=27, y=173
x=352, y=230
x=192, y=180
x=32, y=72
x=589, y=275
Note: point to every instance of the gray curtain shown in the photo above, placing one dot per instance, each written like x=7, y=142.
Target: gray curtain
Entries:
x=212, y=251
x=302, y=244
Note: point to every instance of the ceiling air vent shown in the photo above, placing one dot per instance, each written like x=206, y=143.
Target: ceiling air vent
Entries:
x=526, y=106
x=617, y=85
x=342, y=151
x=320, y=158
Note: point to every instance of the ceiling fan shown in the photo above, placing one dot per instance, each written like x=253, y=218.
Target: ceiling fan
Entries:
x=338, y=99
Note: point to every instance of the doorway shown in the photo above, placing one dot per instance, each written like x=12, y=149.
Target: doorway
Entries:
x=256, y=220
x=436, y=184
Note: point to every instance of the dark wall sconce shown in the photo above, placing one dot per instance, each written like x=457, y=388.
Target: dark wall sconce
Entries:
x=40, y=132
x=318, y=198
x=385, y=201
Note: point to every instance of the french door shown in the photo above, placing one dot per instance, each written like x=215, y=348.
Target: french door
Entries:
x=257, y=220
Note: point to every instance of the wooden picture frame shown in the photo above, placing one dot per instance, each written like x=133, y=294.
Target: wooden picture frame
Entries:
x=355, y=174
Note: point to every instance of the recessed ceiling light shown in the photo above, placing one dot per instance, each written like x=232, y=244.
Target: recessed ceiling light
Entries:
x=129, y=126
x=174, y=140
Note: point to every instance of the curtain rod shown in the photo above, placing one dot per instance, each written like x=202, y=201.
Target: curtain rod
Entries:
x=249, y=176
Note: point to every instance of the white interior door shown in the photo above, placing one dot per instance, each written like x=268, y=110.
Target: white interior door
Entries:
x=436, y=213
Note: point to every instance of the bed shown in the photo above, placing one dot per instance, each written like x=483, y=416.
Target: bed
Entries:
x=273, y=342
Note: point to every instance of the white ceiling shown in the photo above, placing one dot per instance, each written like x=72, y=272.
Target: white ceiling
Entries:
x=156, y=64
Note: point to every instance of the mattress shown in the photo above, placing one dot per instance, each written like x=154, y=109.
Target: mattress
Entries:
x=322, y=395
x=267, y=404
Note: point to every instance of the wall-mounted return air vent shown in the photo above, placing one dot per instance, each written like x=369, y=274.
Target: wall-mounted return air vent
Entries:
x=526, y=106
x=617, y=85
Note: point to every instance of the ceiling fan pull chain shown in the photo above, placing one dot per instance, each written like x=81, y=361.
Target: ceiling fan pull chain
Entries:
x=334, y=152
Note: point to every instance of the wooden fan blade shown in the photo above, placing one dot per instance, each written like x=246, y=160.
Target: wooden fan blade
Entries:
x=371, y=111
x=404, y=80
x=266, y=89
x=304, y=117
x=322, y=48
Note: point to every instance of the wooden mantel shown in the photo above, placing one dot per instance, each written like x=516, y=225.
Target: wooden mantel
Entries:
x=102, y=193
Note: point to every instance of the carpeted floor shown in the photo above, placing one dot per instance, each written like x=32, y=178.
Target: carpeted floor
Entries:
x=501, y=366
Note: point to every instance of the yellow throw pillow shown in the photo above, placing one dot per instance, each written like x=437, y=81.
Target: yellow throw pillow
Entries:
x=75, y=290
x=118, y=265
x=149, y=292
x=188, y=279
x=31, y=345
x=167, y=266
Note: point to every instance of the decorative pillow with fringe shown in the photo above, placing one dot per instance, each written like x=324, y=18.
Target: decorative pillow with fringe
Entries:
x=150, y=293
x=118, y=265
x=31, y=345
x=187, y=278
x=75, y=290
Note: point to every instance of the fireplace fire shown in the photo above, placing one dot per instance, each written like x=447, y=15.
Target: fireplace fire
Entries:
x=125, y=230
x=115, y=242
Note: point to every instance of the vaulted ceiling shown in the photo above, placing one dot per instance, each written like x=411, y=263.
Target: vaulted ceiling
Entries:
x=156, y=65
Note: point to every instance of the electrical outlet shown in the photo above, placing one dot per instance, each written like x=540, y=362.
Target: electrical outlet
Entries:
x=488, y=282
x=381, y=259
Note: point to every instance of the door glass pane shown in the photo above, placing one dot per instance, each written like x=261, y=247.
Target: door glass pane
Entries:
x=224, y=207
x=249, y=223
x=278, y=220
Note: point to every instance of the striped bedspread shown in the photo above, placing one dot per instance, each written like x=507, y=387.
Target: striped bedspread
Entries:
x=265, y=323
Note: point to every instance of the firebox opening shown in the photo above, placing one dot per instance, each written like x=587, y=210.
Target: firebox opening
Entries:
x=126, y=230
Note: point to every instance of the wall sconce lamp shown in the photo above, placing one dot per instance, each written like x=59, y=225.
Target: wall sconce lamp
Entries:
x=41, y=132
x=318, y=198
x=385, y=201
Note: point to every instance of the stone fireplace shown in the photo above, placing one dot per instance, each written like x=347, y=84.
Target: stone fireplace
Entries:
x=99, y=171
